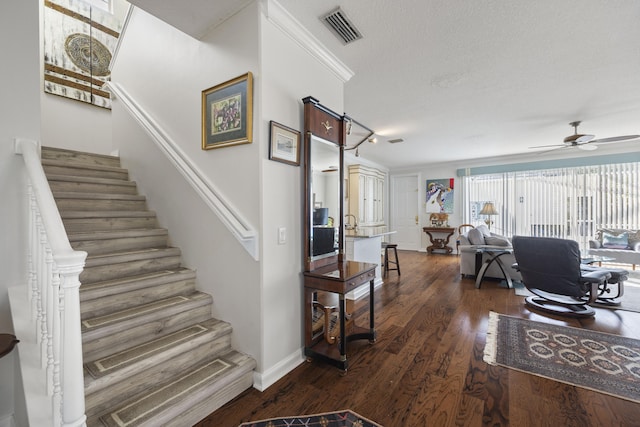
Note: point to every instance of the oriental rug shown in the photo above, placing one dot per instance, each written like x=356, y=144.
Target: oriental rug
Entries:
x=343, y=418
x=596, y=361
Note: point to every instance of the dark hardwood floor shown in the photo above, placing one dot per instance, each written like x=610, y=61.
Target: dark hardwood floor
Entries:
x=426, y=368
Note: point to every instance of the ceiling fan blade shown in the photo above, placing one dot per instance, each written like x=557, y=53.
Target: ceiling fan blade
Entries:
x=587, y=146
x=579, y=138
x=615, y=139
x=546, y=146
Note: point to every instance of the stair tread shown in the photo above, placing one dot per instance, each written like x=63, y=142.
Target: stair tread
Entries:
x=81, y=236
x=89, y=180
x=96, y=196
x=165, y=306
x=106, y=214
x=161, y=348
x=131, y=255
x=79, y=165
x=178, y=395
x=47, y=149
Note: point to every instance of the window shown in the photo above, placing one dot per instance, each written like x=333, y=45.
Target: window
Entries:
x=569, y=203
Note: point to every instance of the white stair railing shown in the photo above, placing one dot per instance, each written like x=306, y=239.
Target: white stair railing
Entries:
x=53, y=280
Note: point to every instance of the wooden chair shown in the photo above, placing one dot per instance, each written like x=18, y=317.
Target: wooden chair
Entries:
x=459, y=234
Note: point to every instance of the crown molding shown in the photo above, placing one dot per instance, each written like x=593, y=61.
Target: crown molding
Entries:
x=281, y=18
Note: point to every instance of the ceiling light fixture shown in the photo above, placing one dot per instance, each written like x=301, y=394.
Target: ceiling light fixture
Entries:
x=373, y=140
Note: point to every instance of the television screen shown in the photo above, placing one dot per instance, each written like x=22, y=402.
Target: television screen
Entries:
x=321, y=216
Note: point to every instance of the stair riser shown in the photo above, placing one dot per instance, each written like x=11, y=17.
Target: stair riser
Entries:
x=75, y=157
x=80, y=171
x=157, y=373
x=107, y=246
x=100, y=205
x=84, y=187
x=109, y=272
x=76, y=225
x=124, y=335
x=124, y=300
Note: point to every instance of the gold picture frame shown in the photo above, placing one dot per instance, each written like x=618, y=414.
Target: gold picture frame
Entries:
x=284, y=144
x=227, y=113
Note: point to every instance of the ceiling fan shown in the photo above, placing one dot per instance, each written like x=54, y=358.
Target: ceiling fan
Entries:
x=586, y=141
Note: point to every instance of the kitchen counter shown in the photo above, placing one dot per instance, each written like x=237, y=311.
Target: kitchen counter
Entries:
x=368, y=232
x=364, y=244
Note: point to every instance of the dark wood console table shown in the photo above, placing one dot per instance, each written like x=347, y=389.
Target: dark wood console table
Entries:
x=340, y=279
x=439, y=243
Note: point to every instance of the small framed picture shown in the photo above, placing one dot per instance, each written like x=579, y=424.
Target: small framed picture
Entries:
x=284, y=144
x=227, y=113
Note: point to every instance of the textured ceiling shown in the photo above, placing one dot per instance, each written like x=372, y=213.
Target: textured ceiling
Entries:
x=460, y=79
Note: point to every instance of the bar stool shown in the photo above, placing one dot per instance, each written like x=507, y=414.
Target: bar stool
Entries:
x=386, y=246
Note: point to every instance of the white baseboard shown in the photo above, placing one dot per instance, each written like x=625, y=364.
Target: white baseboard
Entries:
x=262, y=381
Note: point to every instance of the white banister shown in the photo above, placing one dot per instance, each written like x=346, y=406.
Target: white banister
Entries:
x=53, y=281
x=230, y=217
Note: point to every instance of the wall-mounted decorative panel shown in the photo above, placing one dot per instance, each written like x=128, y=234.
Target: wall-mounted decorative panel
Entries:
x=78, y=43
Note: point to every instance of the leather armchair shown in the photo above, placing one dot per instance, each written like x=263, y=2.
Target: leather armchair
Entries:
x=551, y=269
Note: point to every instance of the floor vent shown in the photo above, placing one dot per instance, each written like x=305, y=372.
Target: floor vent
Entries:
x=338, y=21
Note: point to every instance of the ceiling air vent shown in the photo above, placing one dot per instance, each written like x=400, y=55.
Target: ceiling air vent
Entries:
x=395, y=141
x=342, y=25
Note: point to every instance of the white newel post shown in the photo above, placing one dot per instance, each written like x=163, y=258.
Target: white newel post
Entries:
x=72, y=371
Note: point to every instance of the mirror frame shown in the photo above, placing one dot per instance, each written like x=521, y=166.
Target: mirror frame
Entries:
x=322, y=123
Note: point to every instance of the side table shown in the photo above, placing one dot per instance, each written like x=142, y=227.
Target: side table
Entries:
x=494, y=255
x=439, y=243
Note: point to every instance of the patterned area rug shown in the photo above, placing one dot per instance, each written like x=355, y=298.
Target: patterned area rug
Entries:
x=597, y=361
x=344, y=418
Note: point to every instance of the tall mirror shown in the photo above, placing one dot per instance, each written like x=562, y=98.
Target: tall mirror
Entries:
x=326, y=178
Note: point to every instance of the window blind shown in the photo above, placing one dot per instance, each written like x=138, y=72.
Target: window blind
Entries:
x=571, y=202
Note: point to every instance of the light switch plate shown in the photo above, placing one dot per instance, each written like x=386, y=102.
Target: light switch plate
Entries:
x=282, y=235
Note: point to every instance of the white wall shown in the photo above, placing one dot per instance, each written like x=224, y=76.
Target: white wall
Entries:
x=19, y=117
x=166, y=71
x=74, y=125
x=289, y=74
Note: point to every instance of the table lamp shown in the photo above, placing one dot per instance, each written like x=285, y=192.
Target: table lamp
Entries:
x=488, y=209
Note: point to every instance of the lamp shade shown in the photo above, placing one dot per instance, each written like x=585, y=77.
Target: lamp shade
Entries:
x=488, y=209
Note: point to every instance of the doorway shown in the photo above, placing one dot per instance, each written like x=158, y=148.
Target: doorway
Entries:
x=403, y=211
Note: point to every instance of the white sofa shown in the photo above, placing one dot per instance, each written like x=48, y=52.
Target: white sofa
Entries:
x=622, y=245
x=480, y=236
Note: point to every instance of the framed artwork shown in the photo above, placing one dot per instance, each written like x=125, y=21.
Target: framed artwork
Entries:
x=227, y=113
x=78, y=41
x=284, y=144
x=440, y=195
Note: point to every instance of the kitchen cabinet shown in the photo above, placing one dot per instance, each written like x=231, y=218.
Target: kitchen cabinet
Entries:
x=366, y=195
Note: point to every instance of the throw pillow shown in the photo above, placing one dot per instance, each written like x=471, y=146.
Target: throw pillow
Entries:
x=497, y=241
x=613, y=241
x=475, y=237
x=484, y=230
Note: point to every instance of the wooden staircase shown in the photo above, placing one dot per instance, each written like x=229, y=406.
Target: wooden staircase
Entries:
x=153, y=355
